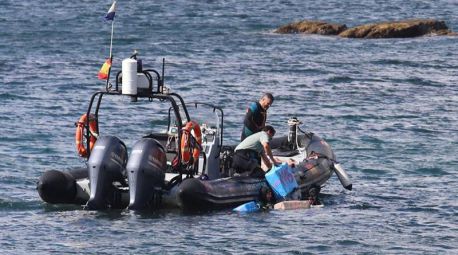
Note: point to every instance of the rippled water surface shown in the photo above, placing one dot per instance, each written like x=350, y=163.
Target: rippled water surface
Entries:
x=389, y=109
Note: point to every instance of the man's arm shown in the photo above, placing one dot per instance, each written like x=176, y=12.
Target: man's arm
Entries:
x=268, y=155
x=266, y=160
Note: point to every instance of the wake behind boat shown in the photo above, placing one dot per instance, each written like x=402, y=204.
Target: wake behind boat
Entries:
x=186, y=166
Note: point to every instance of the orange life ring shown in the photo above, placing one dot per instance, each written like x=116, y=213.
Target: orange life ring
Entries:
x=79, y=135
x=186, y=142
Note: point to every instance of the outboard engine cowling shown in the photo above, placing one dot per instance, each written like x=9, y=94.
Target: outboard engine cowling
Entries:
x=106, y=165
x=146, y=171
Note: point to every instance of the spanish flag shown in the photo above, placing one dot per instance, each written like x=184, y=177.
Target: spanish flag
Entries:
x=103, y=73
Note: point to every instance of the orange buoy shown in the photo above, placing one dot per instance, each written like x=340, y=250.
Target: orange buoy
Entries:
x=186, y=149
x=79, y=135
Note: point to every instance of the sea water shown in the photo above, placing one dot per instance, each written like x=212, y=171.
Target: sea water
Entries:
x=388, y=108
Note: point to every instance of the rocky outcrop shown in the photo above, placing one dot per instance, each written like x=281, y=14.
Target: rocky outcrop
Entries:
x=311, y=27
x=395, y=29
x=398, y=29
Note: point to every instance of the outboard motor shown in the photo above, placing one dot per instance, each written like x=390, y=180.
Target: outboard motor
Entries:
x=106, y=165
x=146, y=171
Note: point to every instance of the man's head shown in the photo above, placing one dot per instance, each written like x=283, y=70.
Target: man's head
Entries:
x=266, y=100
x=269, y=130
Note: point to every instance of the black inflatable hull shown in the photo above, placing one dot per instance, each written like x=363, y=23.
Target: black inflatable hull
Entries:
x=60, y=187
x=57, y=187
x=72, y=187
x=192, y=194
x=195, y=194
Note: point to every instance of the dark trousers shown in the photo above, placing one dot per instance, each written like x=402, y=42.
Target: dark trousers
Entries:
x=249, y=162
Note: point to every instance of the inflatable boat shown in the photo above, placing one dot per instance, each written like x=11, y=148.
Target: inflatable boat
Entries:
x=186, y=166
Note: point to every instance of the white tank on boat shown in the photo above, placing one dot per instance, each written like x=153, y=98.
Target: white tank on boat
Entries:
x=129, y=77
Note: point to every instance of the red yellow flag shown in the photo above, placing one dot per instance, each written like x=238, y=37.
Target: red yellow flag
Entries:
x=103, y=73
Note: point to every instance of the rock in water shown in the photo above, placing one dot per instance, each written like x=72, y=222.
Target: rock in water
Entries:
x=398, y=29
x=311, y=27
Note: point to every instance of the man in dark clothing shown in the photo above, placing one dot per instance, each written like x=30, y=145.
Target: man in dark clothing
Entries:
x=256, y=115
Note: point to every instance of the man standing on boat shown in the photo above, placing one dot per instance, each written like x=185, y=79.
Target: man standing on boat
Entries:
x=256, y=115
x=248, y=154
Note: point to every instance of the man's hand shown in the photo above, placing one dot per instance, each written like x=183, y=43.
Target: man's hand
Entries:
x=276, y=161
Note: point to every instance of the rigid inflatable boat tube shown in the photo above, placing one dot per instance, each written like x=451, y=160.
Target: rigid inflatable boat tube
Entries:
x=191, y=195
x=57, y=187
x=194, y=194
x=343, y=177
